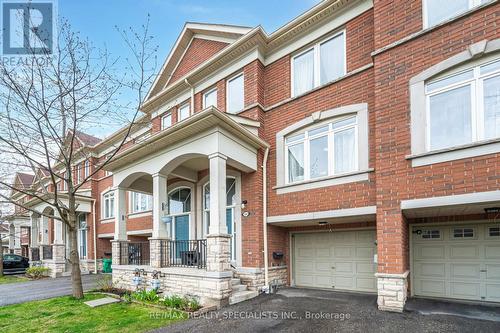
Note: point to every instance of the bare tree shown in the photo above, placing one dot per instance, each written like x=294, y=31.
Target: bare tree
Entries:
x=47, y=102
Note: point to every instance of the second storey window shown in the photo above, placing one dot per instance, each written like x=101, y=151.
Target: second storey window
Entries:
x=235, y=94
x=87, y=169
x=437, y=11
x=464, y=108
x=108, y=205
x=322, y=63
x=210, y=98
x=329, y=149
x=166, y=121
x=141, y=202
x=184, y=112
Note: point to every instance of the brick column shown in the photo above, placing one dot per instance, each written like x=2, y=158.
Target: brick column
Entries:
x=119, y=252
x=218, y=240
x=159, y=252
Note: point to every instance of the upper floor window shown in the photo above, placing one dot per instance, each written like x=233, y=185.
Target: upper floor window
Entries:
x=464, y=107
x=108, y=205
x=78, y=174
x=141, y=202
x=210, y=98
x=235, y=94
x=437, y=11
x=327, y=149
x=87, y=169
x=184, y=111
x=166, y=121
x=322, y=63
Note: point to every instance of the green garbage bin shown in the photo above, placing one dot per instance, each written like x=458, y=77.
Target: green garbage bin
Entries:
x=106, y=266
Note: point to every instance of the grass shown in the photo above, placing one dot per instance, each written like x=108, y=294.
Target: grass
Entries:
x=66, y=314
x=12, y=279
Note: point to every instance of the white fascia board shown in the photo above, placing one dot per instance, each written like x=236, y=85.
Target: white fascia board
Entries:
x=329, y=214
x=451, y=200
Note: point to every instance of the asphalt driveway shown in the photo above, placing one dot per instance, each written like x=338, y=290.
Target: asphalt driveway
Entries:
x=14, y=293
x=323, y=311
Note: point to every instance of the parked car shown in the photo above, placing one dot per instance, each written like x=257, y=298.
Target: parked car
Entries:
x=13, y=263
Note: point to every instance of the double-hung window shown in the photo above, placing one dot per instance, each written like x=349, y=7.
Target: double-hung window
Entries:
x=322, y=63
x=437, y=11
x=141, y=202
x=236, y=94
x=87, y=169
x=108, y=203
x=325, y=150
x=184, y=112
x=464, y=107
x=210, y=98
x=166, y=121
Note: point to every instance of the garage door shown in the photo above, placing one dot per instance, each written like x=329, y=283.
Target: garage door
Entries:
x=460, y=262
x=339, y=260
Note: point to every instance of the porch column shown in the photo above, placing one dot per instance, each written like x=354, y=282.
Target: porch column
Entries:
x=117, y=250
x=218, y=240
x=161, y=233
x=58, y=248
x=12, y=241
x=44, y=229
x=34, y=237
x=17, y=239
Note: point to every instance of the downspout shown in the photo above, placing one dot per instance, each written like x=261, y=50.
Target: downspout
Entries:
x=264, y=219
x=95, y=235
x=192, y=96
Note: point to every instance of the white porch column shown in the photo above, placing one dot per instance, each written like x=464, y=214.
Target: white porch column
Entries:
x=58, y=231
x=120, y=214
x=44, y=229
x=218, y=240
x=160, y=230
x=217, y=194
x=34, y=231
x=12, y=240
x=17, y=237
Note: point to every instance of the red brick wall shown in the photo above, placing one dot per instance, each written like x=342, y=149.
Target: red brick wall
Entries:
x=199, y=51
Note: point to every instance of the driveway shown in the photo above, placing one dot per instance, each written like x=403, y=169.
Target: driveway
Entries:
x=323, y=311
x=42, y=289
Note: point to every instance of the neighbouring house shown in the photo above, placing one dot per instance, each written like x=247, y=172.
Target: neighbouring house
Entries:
x=355, y=148
x=4, y=237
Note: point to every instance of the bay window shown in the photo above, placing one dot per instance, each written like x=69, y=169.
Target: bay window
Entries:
x=210, y=98
x=437, y=11
x=108, y=205
x=140, y=202
x=325, y=150
x=235, y=94
x=322, y=63
x=184, y=112
x=464, y=107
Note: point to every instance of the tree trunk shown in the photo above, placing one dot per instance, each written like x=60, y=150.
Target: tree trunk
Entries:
x=1, y=259
x=74, y=259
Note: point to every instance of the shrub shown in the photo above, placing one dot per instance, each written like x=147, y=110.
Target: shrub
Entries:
x=105, y=284
x=37, y=272
x=182, y=303
x=148, y=296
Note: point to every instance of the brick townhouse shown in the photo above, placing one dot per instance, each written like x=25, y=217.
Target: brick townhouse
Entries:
x=355, y=148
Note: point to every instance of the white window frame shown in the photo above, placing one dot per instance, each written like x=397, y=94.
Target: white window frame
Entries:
x=431, y=238
x=64, y=183
x=331, y=147
x=477, y=100
x=488, y=231
x=182, y=106
x=168, y=114
x=452, y=233
x=208, y=92
x=80, y=241
x=137, y=196
x=317, y=62
x=425, y=16
x=86, y=169
x=105, y=197
x=175, y=215
x=232, y=78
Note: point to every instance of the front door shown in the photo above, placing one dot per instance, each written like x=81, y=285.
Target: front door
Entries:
x=230, y=230
x=181, y=234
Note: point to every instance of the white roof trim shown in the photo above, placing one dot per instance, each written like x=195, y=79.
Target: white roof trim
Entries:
x=328, y=214
x=451, y=200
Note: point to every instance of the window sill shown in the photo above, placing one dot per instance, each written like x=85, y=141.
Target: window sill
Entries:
x=108, y=220
x=350, y=177
x=455, y=153
x=140, y=214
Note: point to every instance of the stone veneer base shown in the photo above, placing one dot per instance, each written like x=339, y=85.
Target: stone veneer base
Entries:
x=392, y=291
x=255, y=280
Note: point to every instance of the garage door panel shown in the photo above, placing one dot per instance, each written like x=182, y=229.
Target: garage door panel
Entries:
x=323, y=252
x=493, y=272
x=305, y=279
x=431, y=287
x=365, y=236
x=430, y=252
x=323, y=266
x=465, y=271
x=436, y=270
x=493, y=292
x=465, y=290
x=344, y=267
x=342, y=252
x=304, y=266
x=365, y=268
x=464, y=252
x=305, y=253
x=344, y=237
x=365, y=283
x=344, y=282
x=323, y=281
x=365, y=252
x=492, y=251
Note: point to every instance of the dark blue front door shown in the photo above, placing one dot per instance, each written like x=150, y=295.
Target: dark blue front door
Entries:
x=181, y=234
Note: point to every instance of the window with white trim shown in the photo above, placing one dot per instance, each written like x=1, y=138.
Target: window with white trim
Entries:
x=87, y=169
x=77, y=172
x=82, y=235
x=322, y=63
x=236, y=94
x=108, y=205
x=184, y=112
x=437, y=11
x=431, y=234
x=324, y=150
x=210, y=98
x=463, y=233
x=140, y=202
x=464, y=107
x=494, y=231
x=166, y=120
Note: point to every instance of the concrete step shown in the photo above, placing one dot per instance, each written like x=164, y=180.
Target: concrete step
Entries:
x=239, y=287
x=241, y=296
x=235, y=281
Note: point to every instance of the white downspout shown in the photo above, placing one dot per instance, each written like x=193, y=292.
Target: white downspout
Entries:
x=191, y=109
x=264, y=219
x=95, y=235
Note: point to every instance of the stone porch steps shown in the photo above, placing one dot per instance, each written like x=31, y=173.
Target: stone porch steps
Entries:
x=240, y=292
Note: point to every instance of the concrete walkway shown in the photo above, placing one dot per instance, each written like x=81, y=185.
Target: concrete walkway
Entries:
x=21, y=292
x=303, y=310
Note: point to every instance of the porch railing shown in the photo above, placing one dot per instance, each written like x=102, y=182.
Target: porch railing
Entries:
x=134, y=253
x=184, y=253
x=35, y=254
x=46, y=252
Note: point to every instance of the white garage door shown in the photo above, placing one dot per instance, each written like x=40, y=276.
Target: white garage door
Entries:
x=457, y=262
x=341, y=260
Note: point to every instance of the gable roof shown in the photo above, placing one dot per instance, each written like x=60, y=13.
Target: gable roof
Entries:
x=87, y=139
x=25, y=179
x=217, y=32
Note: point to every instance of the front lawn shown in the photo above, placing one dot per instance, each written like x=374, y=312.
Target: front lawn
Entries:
x=65, y=314
x=12, y=279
